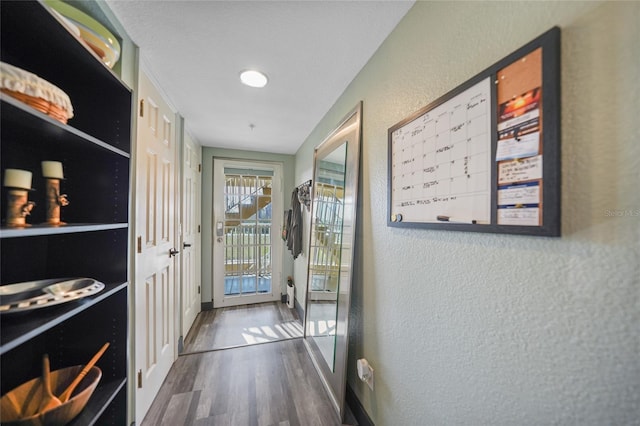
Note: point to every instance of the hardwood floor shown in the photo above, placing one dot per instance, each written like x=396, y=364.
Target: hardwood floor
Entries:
x=269, y=384
x=242, y=325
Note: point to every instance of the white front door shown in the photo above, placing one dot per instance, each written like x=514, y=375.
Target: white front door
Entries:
x=190, y=233
x=155, y=227
x=247, y=248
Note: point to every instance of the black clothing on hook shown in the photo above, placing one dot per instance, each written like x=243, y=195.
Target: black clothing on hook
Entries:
x=294, y=236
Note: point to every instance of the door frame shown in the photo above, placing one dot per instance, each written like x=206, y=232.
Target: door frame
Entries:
x=276, y=225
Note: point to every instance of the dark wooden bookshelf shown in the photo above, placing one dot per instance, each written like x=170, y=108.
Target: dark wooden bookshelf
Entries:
x=95, y=150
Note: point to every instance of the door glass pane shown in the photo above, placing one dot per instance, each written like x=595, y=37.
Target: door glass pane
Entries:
x=247, y=234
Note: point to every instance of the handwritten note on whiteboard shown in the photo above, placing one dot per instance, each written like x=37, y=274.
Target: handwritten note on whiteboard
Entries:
x=441, y=161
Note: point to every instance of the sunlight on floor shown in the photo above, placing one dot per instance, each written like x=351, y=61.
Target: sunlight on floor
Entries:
x=267, y=333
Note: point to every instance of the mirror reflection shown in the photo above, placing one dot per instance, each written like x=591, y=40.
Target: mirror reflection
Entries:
x=325, y=251
x=331, y=248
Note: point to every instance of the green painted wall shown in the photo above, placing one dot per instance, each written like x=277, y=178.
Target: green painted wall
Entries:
x=480, y=329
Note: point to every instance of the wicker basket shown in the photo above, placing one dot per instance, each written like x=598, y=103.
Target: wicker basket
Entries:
x=40, y=104
x=36, y=92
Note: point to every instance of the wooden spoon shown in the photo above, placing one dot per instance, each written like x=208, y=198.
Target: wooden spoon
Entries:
x=64, y=396
x=49, y=401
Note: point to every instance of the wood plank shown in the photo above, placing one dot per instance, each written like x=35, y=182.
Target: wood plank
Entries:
x=263, y=385
x=234, y=326
x=175, y=413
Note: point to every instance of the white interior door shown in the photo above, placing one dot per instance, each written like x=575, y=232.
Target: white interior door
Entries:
x=191, y=183
x=247, y=248
x=155, y=234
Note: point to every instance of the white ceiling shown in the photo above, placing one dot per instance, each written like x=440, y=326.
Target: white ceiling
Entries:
x=310, y=50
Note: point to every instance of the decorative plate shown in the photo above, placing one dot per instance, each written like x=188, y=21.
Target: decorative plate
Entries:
x=90, y=30
x=30, y=295
x=105, y=50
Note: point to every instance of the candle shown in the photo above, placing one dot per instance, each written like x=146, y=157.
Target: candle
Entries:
x=52, y=169
x=14, y=178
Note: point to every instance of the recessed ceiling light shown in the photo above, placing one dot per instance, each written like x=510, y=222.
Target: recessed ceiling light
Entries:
x=253, y=78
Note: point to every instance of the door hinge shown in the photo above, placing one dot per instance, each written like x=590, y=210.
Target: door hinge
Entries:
x=198, y=289
x=140, y=244
x=199, y=167
x=141, y=107
x=198, y=229
x=139, y=379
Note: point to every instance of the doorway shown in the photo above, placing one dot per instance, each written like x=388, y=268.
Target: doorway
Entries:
x=247, y=252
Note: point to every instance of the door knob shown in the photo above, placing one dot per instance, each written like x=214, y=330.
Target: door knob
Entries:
x=185, y=245
x=173, y=252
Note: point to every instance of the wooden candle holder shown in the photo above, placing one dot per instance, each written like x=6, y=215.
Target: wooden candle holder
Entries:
x=54, y=201
x=18, y=207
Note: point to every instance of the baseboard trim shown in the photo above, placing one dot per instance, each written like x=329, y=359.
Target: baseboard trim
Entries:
x=356, y=408
x=299, y=310
x=206, y=306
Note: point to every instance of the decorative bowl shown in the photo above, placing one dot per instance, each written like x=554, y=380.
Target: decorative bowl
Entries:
x=20, y=405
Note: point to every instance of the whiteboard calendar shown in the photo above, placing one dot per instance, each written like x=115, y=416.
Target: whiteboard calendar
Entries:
x=485, y=156
x=441, y=162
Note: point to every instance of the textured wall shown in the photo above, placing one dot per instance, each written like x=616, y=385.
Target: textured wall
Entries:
x=304, y=172
x=208, y=154
x=479, y=329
